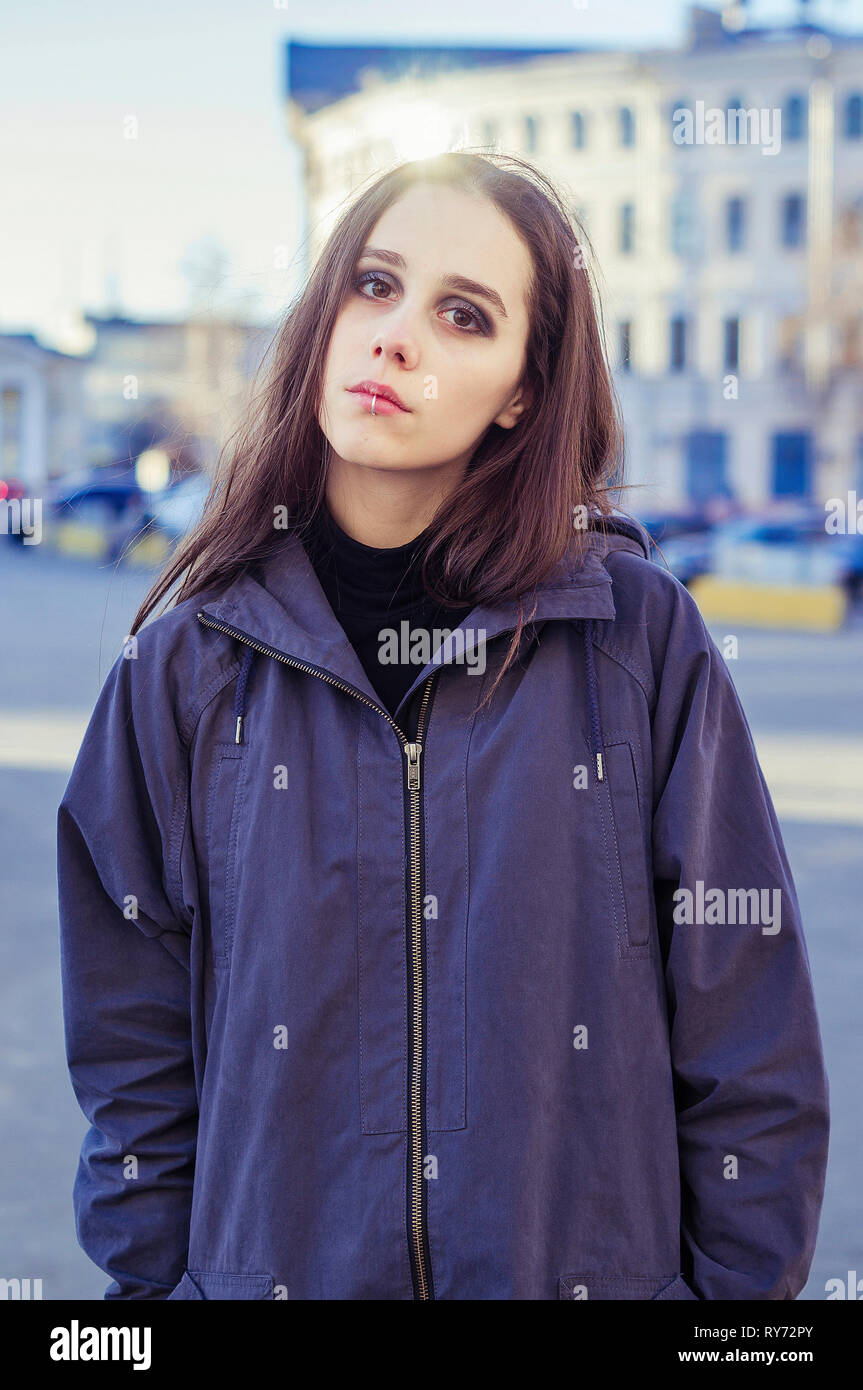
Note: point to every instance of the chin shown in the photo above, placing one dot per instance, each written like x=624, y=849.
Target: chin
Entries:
x=369, y=457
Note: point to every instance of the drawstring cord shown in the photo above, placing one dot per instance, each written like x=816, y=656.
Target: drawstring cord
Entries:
x=240, y=696
x=592, y=696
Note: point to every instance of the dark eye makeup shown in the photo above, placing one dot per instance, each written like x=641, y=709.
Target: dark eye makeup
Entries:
x=483, y=325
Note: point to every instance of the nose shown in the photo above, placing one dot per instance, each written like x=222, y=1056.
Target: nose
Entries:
x=396, y=342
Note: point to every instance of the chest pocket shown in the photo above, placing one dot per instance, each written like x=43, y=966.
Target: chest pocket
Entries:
x=626, y=847
x=224, y=813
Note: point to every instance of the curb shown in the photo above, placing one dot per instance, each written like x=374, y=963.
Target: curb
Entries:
x=807, y=608
x=93, y=542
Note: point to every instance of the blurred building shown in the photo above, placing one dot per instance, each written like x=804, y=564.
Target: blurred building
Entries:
x=41, y=424
x=180, y=386
x=176, y=385
x=721, y=186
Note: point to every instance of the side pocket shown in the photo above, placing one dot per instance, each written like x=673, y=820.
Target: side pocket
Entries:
x=631, y=882
x=207, y=1283
x=677, y=1288
x=186, y=1289
x=608, y=1287
x=224, y=807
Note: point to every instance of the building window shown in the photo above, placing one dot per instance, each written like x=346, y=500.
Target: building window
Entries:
x=677, y=356
x=624, y=345
x=682, y=225
x=578, y=130
x=735, y=224
x=627, y=229
x=706, y=466
x=531, y=134
x=793, y=220
x=854, y=116
x=626, y=125
x=731, y=344
x=794, y=117
x=792, y=465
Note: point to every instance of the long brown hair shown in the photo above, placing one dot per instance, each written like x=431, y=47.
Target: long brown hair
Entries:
x=510, y=520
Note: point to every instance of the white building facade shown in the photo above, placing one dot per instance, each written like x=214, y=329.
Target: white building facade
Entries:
x=41, y=426
x=730, y=268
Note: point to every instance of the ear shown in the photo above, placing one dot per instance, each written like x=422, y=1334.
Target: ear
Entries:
x=512, y=413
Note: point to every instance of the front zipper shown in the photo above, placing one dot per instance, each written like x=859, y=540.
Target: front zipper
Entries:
x=416, y=1213
x=416, y=1203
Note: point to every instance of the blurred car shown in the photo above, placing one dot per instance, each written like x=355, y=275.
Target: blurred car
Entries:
x=791, y=547
x=681, y=541
x=95, y=495
x=170, y=512
x=687, y=556
x=850, y=549
x=175, y=510
x=108, y=498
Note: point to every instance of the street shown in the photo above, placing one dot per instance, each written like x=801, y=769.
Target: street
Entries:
x=64, y=622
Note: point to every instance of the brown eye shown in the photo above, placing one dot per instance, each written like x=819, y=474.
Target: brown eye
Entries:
x=474, y=316
x=372, y=277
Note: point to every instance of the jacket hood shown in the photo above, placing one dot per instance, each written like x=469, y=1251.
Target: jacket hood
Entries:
x=279, y=608
x=625, y=533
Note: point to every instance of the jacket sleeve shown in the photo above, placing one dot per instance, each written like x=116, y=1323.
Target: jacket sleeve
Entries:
x=751, y=1092
x=125, y=953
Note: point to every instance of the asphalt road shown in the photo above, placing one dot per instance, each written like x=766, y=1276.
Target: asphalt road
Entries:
x=63, y=624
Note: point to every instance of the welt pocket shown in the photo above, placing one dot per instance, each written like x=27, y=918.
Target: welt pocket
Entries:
x=624, y=1286
x=631, y=883
x=208, y=1283
x=224, y=809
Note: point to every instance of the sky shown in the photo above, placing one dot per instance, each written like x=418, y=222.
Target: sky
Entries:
x=144, y=152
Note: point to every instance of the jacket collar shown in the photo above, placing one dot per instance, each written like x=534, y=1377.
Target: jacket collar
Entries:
x=283, y=607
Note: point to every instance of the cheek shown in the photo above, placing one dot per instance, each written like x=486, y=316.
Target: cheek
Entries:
x=344, y=340
x=335, y=351
x=480, y=388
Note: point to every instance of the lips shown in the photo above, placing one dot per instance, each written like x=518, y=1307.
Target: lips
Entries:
x=377, y=388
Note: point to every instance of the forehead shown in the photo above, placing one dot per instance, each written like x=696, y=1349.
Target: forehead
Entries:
x=441, y=230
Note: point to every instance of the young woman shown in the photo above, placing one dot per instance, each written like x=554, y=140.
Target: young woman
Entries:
x=427, y=931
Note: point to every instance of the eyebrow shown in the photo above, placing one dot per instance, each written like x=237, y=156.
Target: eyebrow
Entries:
x=453, y=282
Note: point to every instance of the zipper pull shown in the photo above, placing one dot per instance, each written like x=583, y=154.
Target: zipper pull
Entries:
x=413, y=751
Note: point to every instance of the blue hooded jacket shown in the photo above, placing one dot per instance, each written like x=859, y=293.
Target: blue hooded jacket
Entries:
x=520, y=1008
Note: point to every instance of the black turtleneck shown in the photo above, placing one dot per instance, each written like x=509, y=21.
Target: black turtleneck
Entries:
x=371, y=589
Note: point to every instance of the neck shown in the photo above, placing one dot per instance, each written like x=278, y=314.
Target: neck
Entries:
x=386, y=507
